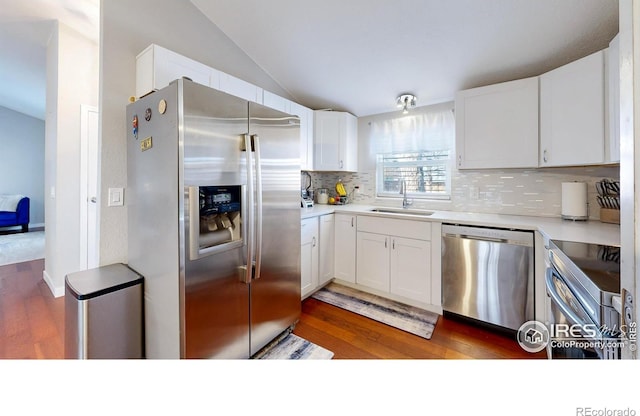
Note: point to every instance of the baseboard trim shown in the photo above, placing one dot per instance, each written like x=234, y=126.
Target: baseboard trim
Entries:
x=18, y=228
x=55, y=291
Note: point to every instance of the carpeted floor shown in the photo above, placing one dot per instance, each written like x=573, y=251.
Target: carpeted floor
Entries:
x=408, y=318
x=20, y=247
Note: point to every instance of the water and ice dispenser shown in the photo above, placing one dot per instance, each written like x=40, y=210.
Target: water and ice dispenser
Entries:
x=216, y=224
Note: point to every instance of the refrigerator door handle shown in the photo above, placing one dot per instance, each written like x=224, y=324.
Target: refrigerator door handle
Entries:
x=194, y=222
x=249, y=211
x=258, y=239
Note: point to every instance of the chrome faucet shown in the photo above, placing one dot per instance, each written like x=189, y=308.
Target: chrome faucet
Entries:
x=403, y=190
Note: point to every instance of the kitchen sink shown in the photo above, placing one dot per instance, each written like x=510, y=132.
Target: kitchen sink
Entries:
x=420, y=212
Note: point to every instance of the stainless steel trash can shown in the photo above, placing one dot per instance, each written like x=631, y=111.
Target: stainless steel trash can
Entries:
x=104, y=313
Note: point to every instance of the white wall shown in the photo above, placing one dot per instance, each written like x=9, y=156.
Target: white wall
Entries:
x=72, y=80
x=128, y=28
x=50, y=161
x=22, y=160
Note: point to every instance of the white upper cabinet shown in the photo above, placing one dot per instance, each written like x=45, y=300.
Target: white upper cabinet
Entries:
x=306, y=134
x=305, y=115
x=612, y=145
x=276, y=102
x=497, y=125
x=240, y=88
x=156, y=67
x=572, y=113
x=335, y=141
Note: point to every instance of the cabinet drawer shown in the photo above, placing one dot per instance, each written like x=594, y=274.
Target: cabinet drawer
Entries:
x=308, y=229
x=419, y=230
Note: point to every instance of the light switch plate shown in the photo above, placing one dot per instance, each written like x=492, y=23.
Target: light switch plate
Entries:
x=116, y=197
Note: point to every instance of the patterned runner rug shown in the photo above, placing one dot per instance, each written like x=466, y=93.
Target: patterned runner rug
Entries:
x=398, y=315
x=292, y=347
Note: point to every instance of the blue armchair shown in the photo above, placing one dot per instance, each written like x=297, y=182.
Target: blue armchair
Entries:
x=18, y=217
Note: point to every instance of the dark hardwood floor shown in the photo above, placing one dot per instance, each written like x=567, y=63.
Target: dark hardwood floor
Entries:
x=32, y=326
x=351, y=336
x=31, y=319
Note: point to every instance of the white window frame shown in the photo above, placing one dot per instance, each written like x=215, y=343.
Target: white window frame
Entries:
x=445, y=195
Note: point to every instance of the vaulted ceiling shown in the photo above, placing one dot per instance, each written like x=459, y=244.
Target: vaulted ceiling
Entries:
x=359, y=55
x=355, y=55
x=25, y=28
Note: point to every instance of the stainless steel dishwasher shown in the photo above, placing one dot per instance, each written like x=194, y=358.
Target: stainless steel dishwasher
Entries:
x=487, y=274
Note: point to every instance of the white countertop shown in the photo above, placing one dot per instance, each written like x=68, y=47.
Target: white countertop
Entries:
x=591, y=231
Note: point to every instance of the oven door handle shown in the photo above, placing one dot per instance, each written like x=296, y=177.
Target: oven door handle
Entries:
x=555, y=297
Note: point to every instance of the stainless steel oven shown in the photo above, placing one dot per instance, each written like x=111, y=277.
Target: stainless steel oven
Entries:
x=580, y=281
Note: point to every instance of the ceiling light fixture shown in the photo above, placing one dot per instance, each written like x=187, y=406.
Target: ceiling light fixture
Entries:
x=406, y=101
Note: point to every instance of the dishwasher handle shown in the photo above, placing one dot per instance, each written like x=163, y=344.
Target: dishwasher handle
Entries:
x=489, y=234
x=478, y=238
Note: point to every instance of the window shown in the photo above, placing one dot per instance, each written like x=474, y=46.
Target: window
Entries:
x=417, y=149
x=426, y=174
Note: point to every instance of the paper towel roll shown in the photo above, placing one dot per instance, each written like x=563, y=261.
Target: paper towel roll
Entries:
x=574, y=201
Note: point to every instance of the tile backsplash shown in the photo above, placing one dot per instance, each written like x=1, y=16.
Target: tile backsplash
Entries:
x=535, y=192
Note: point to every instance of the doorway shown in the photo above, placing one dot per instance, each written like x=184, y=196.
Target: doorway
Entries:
x=89, y=231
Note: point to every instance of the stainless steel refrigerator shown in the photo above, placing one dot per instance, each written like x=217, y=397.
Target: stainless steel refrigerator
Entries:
x=213, y=205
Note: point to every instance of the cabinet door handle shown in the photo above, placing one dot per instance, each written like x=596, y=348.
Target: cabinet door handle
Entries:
x=393, y=244
x=385, y=242
x=352, y=222
x=459, y=160
x=544, y=155
x=341, y=164
x=314, y=241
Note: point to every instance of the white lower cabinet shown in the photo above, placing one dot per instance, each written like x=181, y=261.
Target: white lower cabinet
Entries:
x=316, y=253
x=394, y=256
x=308, y=255
x=373, y=261
x=345, y=247
x=410, y=267
x=400, y=266
x=326, y=251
